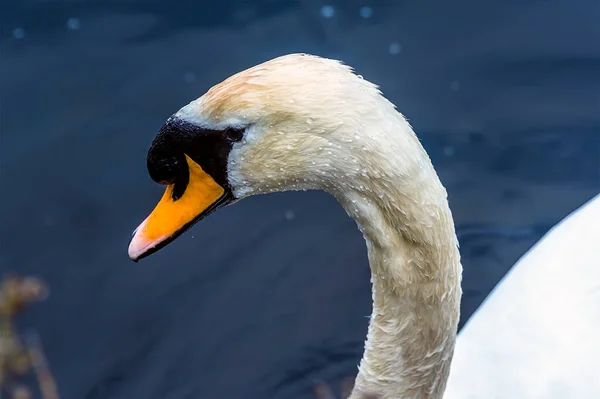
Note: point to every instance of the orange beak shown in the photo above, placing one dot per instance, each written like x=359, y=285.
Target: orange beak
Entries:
x=173, y=217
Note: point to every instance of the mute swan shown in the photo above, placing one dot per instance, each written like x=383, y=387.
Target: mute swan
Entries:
x=302, y=122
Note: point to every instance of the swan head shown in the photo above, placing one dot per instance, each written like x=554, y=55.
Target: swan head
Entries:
x=293, y=123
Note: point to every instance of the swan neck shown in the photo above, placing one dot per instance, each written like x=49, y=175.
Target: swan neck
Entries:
x=415, y=268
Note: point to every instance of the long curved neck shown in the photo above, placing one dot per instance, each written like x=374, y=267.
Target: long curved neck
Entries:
x=416, y=272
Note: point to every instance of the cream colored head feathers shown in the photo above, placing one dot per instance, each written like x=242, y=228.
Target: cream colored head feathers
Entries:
x=309, y=119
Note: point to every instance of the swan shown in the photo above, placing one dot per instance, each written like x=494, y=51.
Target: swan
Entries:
x=302, y=122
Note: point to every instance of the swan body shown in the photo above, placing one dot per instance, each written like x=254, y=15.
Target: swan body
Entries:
x=301, y=122
x=537, y=334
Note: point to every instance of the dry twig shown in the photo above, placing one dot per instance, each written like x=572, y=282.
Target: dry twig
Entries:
x=18, y=358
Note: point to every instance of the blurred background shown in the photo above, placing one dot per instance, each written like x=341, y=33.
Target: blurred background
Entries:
x=504, y=94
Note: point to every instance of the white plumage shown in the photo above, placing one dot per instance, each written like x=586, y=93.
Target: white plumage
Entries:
x=537, y=335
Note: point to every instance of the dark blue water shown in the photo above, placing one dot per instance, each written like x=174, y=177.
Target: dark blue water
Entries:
x=269, y=295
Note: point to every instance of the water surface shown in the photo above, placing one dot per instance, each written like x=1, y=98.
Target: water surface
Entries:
x=264, y=297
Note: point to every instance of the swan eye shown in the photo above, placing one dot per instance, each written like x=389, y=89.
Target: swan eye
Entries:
x=234, y=134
